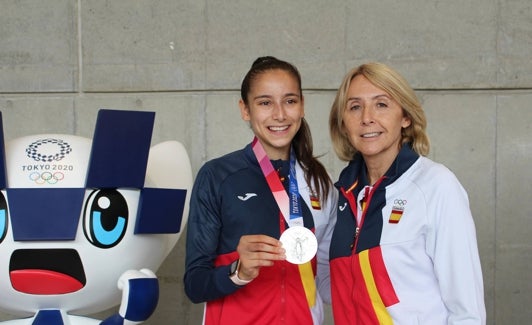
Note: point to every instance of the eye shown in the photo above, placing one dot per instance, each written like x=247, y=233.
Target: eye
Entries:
x=353, y=107
x=3, y=217
x=264, y=103
x=382, y=104
x=292, y=101
x=105, y=218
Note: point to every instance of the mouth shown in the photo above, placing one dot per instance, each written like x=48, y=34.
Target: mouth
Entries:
x=278, y=128
x=371, y=135
x=46, y=271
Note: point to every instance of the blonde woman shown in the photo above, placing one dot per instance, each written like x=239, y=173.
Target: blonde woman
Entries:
x=404, y=247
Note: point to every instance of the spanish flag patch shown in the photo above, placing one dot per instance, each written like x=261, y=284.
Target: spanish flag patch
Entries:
x=397, y=210
x=315, y=202
x=395, y=216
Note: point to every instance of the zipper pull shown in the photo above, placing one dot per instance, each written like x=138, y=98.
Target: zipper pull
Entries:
x=357, y=230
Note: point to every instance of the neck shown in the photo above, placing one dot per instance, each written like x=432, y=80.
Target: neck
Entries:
x=376, y=168
x=378, y=165
x=374, y=176
x=277, y=153
x=278, y=156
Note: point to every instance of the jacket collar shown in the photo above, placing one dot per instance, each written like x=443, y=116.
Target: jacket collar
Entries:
x=356, y=169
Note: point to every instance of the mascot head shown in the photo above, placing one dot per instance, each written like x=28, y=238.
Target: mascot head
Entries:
x=76, y=213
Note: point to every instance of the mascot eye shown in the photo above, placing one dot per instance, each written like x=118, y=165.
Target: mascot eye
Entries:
x=3, y=217
x=105, y=218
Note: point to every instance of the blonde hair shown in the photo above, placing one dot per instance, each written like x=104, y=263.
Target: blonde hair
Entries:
x=398, y=88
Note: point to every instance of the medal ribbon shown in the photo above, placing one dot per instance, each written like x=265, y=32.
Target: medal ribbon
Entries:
x=289, y=206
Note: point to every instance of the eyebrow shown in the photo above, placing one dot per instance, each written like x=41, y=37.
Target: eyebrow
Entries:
x=261, y=96
x=373, y=98
x=269, y=96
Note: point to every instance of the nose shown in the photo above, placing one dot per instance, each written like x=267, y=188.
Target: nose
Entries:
x=279, y=112
x=367, y=116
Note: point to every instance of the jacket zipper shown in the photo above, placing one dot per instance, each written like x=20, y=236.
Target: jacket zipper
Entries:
x=351, y=199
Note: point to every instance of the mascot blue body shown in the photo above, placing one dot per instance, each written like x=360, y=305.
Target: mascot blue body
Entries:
x=85, y=224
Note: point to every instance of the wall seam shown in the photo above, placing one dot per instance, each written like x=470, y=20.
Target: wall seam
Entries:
x=80, y=70
x=80, y=53
x=496, y=174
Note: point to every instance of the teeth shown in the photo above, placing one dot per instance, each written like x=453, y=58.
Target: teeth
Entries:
x=278, y=128
x=370, y=135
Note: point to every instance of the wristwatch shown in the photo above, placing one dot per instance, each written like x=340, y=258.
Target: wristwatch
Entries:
x=233, y=274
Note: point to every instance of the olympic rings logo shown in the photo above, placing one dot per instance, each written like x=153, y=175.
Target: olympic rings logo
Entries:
x=63, y=149
x=399, y=202
x=46, y=177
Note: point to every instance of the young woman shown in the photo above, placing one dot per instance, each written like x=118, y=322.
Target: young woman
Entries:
x=404, y=248
x=243, y=202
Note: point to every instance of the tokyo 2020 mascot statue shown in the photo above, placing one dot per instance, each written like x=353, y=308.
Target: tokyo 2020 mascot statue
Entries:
x=85, y=224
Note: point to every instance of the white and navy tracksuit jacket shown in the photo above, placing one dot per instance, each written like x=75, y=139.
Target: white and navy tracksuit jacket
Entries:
x=415, y=259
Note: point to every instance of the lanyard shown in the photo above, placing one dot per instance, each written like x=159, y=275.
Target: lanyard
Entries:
x=289, y=204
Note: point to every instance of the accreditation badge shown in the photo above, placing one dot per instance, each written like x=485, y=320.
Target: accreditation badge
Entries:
x=300, y=244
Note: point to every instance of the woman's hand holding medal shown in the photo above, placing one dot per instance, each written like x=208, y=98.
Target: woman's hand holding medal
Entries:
x=256, y=251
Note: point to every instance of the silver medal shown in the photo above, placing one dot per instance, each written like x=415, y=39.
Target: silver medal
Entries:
x=300, y=244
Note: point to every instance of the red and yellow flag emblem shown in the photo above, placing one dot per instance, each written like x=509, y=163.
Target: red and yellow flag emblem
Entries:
x=395, y=216
x=397, y=211
x=315, y=202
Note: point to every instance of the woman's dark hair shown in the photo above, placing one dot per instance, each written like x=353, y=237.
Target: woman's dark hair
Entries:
x=315, y=172
x=263, y=64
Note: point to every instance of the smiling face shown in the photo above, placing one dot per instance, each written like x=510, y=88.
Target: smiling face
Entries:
x=274, y=110
x=373, y=121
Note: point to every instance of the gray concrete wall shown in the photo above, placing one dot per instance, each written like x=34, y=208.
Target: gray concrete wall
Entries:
x=470, y=62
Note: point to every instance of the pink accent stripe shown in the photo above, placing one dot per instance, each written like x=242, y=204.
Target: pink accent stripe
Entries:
x=274, y=185
x=280, y=195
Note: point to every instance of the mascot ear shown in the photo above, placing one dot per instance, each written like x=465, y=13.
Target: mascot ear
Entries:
x=169, y=168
